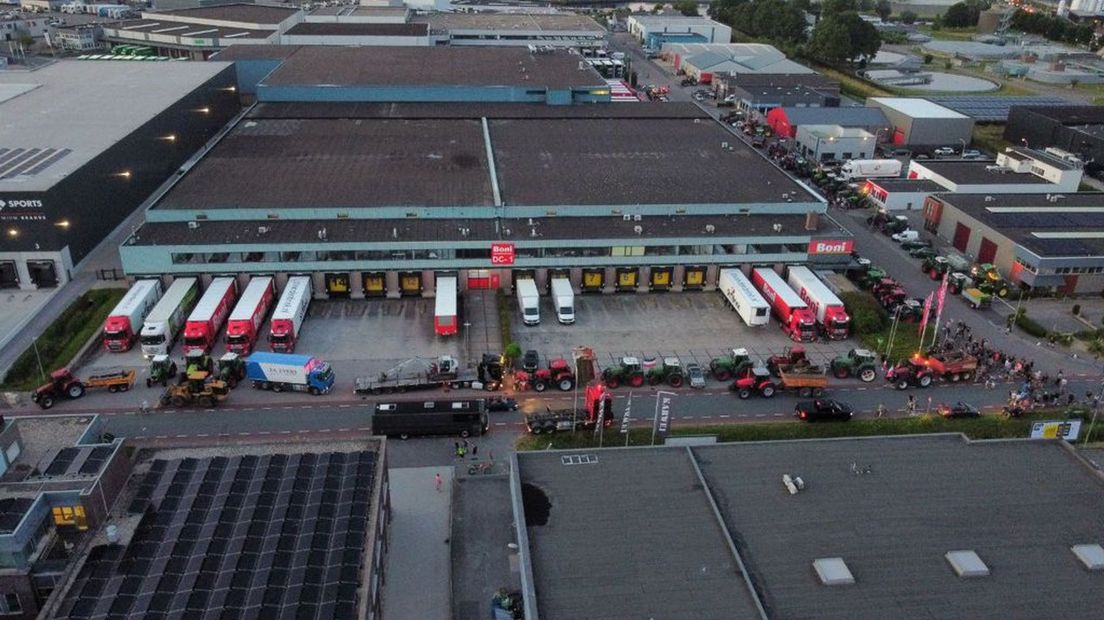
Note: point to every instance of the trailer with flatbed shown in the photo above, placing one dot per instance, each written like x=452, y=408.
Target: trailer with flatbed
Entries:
x=422, y=374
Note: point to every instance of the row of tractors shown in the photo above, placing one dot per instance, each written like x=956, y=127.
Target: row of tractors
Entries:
x=977, y=282
x=889, y=293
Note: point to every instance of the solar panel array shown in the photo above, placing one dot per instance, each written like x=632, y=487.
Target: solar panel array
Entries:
x=992, y=109
x=28, y=162
x=270, y=536
x=62, y=461
x=12, y=510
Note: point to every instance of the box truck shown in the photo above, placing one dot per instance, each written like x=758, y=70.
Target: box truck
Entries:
x=791, y=311
x=286, y=371
x=444, y=307
x=870, y=169
x=564, y=298
x=528, y=301
x=290, y=312
x=747, y=301
x=245, y=321
x=205, y=321
x=828, y=309
x=125, y=322
x=163, y=324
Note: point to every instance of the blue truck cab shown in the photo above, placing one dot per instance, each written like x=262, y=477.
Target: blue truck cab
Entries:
x=287, y=371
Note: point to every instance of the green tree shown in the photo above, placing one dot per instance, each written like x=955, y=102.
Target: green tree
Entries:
x=831, y=41
x=829, y=8
x=961, y=15
x=883, y=9
x=688, y=8
x=908, y=17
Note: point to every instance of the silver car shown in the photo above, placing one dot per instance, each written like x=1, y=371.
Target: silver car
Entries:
x=696, y=375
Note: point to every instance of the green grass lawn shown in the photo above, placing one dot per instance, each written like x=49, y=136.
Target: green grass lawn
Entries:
x=63, y=338
x=949, y=34
x=990, y=138
x=986, y=427
x=906, y=342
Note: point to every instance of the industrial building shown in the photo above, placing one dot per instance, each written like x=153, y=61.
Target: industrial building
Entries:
x=704, y=61
x=933, y=526
x=85, y=143
x=1017, y=170
x=1046, y=242
x=653, y=31
x=894, y=194
x=1078, y=130
x=786, y=121
x=557, y=30
x=378, y=198
x=826, y=90
x=59, y=476
x=197, y=33
x=237, y=531
x=919, y=123
x=834, y=143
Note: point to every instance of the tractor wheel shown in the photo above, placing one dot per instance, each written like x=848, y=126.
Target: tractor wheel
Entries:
x=75, y=390
x=768, y=390
x=722, y=374
x=933, y=274
x=924, y=380
x=744, y=393
x=636, y=380
x=613, y=382
x=654, y=379
x=902, y=384
x=805, y=392
x=46, y=401
x=566, y=384
x=539, y=385
x=841, y=372
x=177, y=401
x=866, y=375
x=206, y=402
x=1002, y=292
x=675, y=381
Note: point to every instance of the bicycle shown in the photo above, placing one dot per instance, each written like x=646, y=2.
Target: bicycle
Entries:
x=485, y=467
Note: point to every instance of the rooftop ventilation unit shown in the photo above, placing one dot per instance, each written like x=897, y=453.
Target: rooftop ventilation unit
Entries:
x=626, y=217
x=636, y=218
x=193, y=224
x=967, y=564
x=833, y=572
x=1092, y=556
x=709, y=228
x=638, y=229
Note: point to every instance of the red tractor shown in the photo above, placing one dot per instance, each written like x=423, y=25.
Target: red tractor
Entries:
x=754, y=379
x=909, y=373
x=790, y=358
x=558, y=373
x=62, y=384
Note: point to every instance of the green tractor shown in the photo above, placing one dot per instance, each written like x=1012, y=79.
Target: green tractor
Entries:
x=859, y=363
x=989, y=280
x=936, y=266
x=725, y=367
x=231, y=369
x=628, y=371
x=669, y=371
x=865, y=273
x=196, y=361
x=958, y=282
x=162, y=370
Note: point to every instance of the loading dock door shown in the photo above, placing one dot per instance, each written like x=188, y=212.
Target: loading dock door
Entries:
x=661, y=278
x=337, y=284
x=479, y=279
x=43, y=273
x=9, y=275
x=627, y=278
x=961, y=237
x=987, y=252
x=694, y=278
x=375, y=284
x=593, y=280
x=410, y=283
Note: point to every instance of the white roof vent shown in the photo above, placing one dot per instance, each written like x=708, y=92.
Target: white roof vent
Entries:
x=967, y=564
x=833, y=572
x=1092, y=556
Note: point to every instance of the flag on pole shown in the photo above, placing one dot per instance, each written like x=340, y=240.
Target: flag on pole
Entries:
x=626, y=417
x=939, y=300
x=927, y=310
x=601, y=404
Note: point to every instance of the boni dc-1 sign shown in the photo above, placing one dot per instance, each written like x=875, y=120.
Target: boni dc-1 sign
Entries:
x=502, y=254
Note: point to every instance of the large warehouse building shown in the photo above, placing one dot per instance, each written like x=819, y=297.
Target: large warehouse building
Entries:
x=84, y=143
x=920, y=124
x=377, y=199
x=883, y=527
x=1075, y=129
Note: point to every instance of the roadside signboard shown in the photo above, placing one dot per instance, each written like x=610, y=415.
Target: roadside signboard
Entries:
x=1056, y=429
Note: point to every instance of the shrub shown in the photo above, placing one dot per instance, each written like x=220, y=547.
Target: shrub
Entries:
x=867, y=316
x=928, y=58
x=512, y=351
x=1030, y=326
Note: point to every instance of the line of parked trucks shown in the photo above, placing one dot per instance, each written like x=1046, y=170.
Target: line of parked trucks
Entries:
x=803, y=305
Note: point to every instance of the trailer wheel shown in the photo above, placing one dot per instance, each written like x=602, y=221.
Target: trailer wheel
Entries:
x=924, y=380
x=967, y=375
x=841, y=372
x=768, y=390
x=124, y=387
x=112, y=388
x=805, y=392
x=743, y=393
x=539, y=385
x=1002, y=291
x=954, y=377
x=404, y=436
x=566, y=384
x=206, y=402
x=465, y=434
x=277, y=387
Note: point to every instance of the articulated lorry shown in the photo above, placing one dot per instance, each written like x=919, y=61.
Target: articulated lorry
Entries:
x=445, y=317
x=528, y=301
x=829, y=310
x=747, y=301
x=290, y=312
x=870, y=169
x=244, y=325
x=284, y=371
x=797, y=320
x=163, y=324
x=125, y=322
x=564, y=298
x=205, y=321
x=420, y=374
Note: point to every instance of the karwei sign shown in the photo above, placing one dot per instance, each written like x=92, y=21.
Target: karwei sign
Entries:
x=830, y=247
x=502, y=254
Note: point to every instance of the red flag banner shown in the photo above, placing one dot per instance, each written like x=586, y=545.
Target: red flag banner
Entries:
x=941, y=298
x=927, y=310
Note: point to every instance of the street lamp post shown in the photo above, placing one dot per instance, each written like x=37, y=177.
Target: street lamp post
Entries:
x=467, y=338
x=41, y=370
x=963, y=151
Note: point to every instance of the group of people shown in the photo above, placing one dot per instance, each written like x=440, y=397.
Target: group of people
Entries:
x=993, y=364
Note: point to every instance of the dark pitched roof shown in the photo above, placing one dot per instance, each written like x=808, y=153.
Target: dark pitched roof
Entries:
x=850, y=116
x=247, y=13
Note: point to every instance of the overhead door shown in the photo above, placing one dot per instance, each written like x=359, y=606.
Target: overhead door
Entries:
x=961, y=237
x=987, y=252
x=693, y=278
x=410, y=282
x=661, y=278
x=627, y=278
x=337, y=284
x=593, y=280
x=374, y=284
x=479, y=279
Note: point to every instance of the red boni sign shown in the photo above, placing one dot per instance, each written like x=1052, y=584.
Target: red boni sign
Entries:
x=831, y=247
x=502, y=254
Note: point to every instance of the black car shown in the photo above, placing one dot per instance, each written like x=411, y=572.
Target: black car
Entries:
x=959, y=410
x=498, y=403
x=530, y=362
x=823, y=409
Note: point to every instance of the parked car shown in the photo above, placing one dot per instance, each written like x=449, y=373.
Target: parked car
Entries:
x=916, y=243
x=972, y=154
x=758, y=142
x=530, y=361
x=922, y=252
x=499, y=403
x=905, y=235
x=944, y=151
x=959, y=410
x=823, y=409
x=696, y=375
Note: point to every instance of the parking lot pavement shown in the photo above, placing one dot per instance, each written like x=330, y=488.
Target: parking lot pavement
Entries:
x=481, y=530
x=693, y=326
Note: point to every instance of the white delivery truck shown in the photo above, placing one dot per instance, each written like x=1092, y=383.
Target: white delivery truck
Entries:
x=164, y=322
x=870, y=169
x=287, y=318
x=564, y=298
x=528, y=301
x=747, y=301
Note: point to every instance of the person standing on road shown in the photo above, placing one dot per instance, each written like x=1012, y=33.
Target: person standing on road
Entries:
x=880, y=411
x=437, y=482
x=911, y=405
